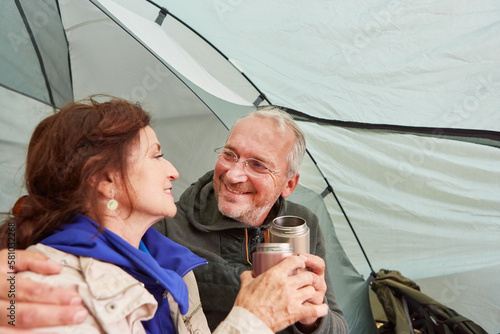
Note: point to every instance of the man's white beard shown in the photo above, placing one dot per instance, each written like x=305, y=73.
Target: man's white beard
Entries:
x=251, y=216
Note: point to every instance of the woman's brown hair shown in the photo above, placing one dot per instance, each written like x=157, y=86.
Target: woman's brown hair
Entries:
x=68, y=154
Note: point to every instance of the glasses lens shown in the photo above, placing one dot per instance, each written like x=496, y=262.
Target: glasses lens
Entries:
x=253, y=167
x=256, y=168
x=227, y=158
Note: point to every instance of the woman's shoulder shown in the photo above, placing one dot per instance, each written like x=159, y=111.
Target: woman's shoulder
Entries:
x=102, y=278
x=108, y=292
x=69, y=275
x=88, y=269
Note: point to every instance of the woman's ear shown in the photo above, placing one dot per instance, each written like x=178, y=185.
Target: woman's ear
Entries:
x=107, y=185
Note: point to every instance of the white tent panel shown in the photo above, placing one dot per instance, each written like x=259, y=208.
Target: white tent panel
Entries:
x=411, y=205
x=395, y=62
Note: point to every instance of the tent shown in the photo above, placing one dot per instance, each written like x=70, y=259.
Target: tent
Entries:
x=398, y=101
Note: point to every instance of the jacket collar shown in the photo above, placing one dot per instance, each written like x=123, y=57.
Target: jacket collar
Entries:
x=167, y=263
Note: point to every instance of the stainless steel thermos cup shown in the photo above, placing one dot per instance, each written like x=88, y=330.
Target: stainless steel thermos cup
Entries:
x=269, y=254
x=288, y=235
x=290, y=229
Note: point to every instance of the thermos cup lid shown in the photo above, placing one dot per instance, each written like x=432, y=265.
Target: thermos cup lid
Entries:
x=289, y=225
x=291, y=229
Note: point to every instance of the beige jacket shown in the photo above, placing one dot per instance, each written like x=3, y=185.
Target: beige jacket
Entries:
x=117, y=302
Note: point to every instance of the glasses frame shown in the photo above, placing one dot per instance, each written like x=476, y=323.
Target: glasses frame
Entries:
x=268, y=170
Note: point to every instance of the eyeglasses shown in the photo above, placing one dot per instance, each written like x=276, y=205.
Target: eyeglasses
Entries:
x=252, y=166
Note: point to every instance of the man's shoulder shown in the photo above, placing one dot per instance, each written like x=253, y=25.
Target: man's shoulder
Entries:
x=168, y=226
x=299, y=210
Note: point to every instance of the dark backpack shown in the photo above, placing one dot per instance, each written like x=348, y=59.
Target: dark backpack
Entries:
x=408, y=310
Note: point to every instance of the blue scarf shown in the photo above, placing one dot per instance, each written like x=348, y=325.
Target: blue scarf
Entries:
x=160, y=263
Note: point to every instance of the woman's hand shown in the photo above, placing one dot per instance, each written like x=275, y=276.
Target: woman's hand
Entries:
x=285, y=294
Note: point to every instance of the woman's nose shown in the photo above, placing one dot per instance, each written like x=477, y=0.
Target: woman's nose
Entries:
x=173, y=174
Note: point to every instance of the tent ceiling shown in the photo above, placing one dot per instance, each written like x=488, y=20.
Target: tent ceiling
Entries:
x=381, y=62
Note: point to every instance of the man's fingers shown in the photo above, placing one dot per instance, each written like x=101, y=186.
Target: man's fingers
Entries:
x=306, y=293
x=314, y=263
x=36, y=304
x=309, y=294
x=36, y=262
x=304, y=278
x=23, y=260
x=39, y=315
x=14, y=330
x=23, y=289
x=316, y=266
x=290, y=265
x=314, y=311
x=43, y=293
x=312, y=319
x=311, y=286
x=246, y=277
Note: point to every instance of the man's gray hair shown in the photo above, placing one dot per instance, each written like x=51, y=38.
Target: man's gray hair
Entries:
x=283, y=120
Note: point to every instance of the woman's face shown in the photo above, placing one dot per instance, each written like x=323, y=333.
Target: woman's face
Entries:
x=150, y=177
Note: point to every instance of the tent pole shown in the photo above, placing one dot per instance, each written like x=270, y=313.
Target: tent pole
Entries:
x=37, y=51
x=328, y=190
x=161, y=16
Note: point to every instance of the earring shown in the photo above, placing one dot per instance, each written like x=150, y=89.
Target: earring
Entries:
x=112, y=204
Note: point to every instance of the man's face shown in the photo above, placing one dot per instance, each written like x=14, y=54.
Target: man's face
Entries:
x=244, y=197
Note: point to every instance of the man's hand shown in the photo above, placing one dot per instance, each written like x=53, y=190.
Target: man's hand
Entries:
x=36, y=304
x=316, y=265
x=280, y=298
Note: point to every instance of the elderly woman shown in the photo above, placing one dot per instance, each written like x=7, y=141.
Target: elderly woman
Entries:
x=97, y=181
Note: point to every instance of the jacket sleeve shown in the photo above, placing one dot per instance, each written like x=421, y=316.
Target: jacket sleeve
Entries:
x=334, y=322
x=242, y=321
x=238, y=321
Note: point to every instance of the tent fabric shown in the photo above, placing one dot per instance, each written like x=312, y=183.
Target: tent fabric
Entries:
x=374, y=62
x=425, y=204
x=31, y=72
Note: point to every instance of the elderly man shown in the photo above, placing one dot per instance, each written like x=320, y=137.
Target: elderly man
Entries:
x=227, y=212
